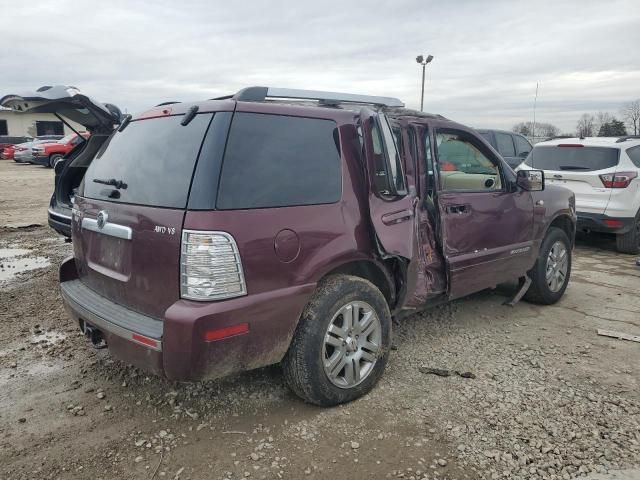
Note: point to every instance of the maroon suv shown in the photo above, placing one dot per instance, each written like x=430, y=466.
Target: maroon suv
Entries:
x=291, y=226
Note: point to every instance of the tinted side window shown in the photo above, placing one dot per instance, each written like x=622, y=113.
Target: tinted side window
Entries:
x=634, y=155
x=487, y=137
x=523, y=147
x=505, y=144
x=462, y=166
x=278, y=161
x=3, y=127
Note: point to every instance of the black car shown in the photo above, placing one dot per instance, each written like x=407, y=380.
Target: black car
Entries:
x=97, y=118
x=513, y=147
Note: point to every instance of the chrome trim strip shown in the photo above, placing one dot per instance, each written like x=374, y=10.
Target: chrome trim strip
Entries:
x=106, y=325
x=111, y=229
x=56, y=214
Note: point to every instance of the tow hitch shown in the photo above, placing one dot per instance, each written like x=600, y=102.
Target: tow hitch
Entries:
x=93, y=334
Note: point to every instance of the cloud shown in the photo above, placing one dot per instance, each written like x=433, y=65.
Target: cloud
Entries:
x=488, y=55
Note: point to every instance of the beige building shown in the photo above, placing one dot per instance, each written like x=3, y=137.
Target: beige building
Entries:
x=18, y=124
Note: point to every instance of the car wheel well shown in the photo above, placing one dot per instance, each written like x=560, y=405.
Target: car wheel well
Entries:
x=379, y=275
x=564, y=223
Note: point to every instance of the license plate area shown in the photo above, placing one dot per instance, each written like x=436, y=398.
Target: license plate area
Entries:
x=110, y=256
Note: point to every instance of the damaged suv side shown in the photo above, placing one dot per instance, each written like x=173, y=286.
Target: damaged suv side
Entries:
x=291, y=226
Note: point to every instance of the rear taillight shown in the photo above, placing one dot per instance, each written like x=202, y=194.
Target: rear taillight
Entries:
x=618, y=180
x=210, y=266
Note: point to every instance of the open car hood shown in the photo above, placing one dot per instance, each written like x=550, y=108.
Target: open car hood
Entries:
x=67, y=102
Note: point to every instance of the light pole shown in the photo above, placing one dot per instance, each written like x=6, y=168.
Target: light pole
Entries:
x=423, y=61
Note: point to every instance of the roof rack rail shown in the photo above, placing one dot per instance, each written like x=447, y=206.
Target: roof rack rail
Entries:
x=627, y=137
x=166, y=103
x=260, y=94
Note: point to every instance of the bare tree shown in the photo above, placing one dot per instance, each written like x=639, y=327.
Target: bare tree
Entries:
x=602, y=118
x=631, y=114
x=542, y=129
x=585, y=125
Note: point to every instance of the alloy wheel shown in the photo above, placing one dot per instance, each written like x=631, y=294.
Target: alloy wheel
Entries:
x=557, y=266
x=351, y=344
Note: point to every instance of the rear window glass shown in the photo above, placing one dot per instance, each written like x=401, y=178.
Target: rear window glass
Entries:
x=553, y=157
x=154, y=158
x=277, y=161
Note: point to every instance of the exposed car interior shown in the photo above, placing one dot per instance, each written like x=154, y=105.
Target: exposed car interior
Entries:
x=463, y=166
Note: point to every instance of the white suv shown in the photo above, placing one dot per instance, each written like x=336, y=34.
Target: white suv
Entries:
x=604, y=174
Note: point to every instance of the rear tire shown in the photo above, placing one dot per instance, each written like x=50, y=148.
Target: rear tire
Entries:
x=630, y=242
x=341, y=345
x=53, y=159
x=550, y=274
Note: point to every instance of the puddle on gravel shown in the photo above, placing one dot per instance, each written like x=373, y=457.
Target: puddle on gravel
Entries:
x=18, y=260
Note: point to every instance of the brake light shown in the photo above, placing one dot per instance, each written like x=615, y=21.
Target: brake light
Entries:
x=612, y=223
x=618, y=179
x=570, y=145
x=210, y=266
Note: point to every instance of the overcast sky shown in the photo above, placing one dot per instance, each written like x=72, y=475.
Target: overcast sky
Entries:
x=488, y=54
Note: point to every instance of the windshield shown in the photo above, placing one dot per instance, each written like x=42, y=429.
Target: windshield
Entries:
x=149, y=163
x=577, y=158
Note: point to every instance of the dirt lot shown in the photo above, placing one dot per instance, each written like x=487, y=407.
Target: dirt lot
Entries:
x=550, y=399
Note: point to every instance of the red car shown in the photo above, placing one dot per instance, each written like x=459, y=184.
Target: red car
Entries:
x=48, y=154
x=8, y=151
x=7, y=143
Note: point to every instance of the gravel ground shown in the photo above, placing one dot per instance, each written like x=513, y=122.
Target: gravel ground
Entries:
x=546, y=397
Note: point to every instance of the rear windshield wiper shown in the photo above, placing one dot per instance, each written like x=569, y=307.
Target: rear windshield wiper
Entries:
x=573, y=167
x=119, y=184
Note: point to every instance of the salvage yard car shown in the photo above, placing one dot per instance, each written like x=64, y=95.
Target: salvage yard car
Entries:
x=513, y=147
x=604, y=174
x=290, y=226
x=49, y=153
x=24, y=151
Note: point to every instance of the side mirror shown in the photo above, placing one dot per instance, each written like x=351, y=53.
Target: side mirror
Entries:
x=530, y=180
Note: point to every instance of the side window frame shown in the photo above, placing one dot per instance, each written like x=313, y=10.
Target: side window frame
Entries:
x=382, y=121
x=431, y=188
x=470, y=138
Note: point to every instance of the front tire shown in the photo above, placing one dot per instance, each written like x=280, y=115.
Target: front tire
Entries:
x=341, y=345
x=550, y=274
x=630, y=242
x=53, y=159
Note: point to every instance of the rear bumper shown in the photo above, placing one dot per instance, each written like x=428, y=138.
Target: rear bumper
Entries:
x=180, y=351
x=597, y=222
x=40, y=160
x=60, y=222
